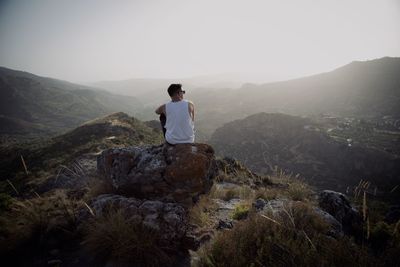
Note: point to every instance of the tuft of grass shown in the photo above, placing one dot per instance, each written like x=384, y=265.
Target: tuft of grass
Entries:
x=241, y=212
x=230, y=194
x=299, y=191
x=199, y=214
x=223, y=193
x=114, y=236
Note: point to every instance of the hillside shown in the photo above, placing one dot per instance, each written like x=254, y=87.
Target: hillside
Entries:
x=44, y=156
x=300, y=146
x=31, y=105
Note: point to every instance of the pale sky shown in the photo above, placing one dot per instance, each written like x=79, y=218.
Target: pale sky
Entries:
x=263, y=40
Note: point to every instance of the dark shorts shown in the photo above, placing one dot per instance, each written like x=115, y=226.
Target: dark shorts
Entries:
x=163, y=121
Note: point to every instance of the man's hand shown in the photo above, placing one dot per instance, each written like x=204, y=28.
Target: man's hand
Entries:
x=161, y=110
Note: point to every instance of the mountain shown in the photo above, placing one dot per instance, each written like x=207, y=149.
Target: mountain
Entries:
x=361, y=89
x=298, y=145
x=34, y=105
x=368, y=90
x=142, y=88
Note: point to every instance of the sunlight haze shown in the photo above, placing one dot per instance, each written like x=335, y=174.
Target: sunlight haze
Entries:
x=256, y=41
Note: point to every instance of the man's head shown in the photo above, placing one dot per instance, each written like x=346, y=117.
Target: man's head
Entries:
x=175, y=89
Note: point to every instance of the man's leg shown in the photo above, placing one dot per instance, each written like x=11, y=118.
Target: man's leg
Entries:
x=163, y=121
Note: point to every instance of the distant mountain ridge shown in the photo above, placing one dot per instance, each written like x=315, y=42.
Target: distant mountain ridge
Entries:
x=47, y=105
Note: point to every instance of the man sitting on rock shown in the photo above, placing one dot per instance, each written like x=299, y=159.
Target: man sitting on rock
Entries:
x=177, y=117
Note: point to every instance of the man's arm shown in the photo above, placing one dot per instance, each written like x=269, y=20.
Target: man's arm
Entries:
x=161, y=110
x=191, y=110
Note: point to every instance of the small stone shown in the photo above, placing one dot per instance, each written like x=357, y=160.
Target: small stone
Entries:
x=259, y=204
x=224, y=224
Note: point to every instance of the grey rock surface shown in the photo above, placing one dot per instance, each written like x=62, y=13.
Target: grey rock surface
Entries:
x=338, y=205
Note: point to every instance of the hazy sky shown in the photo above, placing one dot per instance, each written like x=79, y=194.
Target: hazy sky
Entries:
x=89, y=40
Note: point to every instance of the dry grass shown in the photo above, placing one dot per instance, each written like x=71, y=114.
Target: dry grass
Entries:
x=267, y=193
x=233, y=171
x=238, y=191
x=218, y=192
x=199, y=214
x=286, y=187
x=293, y=238
x=299, y=191
x=114, y=236
x=30, y=225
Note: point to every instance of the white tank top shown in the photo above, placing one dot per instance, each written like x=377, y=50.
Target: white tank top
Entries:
x=179, y=125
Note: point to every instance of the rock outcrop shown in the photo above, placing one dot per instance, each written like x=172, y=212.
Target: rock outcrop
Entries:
x=167, y=173
x=154, y=187
x=339, y=207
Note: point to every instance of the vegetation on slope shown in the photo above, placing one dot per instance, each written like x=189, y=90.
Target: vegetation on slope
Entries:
x=45, y=157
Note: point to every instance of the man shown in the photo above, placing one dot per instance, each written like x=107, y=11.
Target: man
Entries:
x=179, y=113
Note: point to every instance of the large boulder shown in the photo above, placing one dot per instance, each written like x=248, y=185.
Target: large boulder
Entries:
x=167, y=173
x=338, y=205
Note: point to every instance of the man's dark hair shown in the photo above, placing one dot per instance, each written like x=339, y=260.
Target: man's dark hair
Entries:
x=174, y=88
